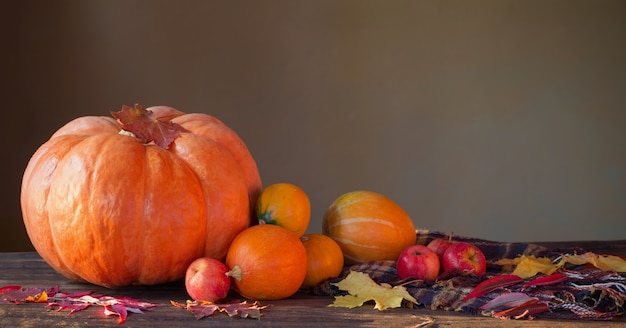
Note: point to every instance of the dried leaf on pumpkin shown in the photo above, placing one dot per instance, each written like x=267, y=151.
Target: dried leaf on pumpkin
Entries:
x=146, y=127
x=363, y=289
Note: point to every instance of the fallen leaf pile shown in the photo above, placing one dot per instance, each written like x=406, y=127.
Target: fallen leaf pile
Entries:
x=558, y=287
x=74, y=302
x=203, y=309
x=120, y=306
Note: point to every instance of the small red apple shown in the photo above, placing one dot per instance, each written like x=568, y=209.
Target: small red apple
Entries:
x=464, y=257
x=419, y=262
x=206, y=280
x=439, y=245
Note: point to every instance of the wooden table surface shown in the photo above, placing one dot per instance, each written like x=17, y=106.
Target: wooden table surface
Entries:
x=301, y=310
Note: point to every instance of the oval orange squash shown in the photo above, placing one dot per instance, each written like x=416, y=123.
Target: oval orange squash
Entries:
x=114, y=210
x=368, y=226
x=267, y=262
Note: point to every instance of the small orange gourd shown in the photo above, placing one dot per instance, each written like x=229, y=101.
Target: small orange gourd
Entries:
x=267, y=262
x=285, y=205
x=368, y=226
x=324, y=259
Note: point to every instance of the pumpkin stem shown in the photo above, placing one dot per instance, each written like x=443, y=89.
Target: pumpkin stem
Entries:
x=235, y=272
x=127, y=133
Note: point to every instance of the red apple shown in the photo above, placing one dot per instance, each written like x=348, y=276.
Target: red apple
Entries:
x=206, y=280
x=464, y=257
x=419, y=262
x=439, y=245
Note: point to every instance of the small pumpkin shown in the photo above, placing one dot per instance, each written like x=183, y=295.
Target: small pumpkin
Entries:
x=267, y=262
x=368, y=226
x=137, y=207
x=324, y=259
x=286, y=205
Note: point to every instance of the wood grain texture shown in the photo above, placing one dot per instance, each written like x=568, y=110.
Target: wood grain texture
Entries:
x=301, y=310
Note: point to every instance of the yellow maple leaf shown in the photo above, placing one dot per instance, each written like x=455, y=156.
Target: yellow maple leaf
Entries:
x=602, y=262
x=362, y=289
x=529, y=266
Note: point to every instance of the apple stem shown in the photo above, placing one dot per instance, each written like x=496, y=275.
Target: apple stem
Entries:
x=235, y=272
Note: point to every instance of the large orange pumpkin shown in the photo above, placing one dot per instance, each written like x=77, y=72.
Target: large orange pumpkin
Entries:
x=368, y=226
x=104, y=207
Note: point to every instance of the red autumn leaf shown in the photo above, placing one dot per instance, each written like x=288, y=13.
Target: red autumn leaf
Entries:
x=131, y=304
x=243, y=310
x=530, y=307
x=9, y=288
x=112, y=305
x=546, y=280
x=492, y=284
x=506, y=301
x=68, y=305
x=17, y=294
x=74, y=295
x=146, y=127
x=118, y=310
x=203, y=309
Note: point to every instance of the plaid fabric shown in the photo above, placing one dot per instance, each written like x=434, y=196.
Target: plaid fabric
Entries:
x=492, y=250
x=589, y=294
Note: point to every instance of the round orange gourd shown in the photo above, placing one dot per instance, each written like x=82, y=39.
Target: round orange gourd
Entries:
x=368, y=227
x=324, y=259
x=114, y=210
x=285, y=205
x=267, y=262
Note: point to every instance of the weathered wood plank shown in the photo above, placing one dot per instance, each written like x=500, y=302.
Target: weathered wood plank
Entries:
x=302, y=310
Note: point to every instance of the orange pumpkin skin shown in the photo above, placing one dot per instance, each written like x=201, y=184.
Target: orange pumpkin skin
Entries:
x=267, y=262
x=214, y=129
x=104, y=208
x=324, y=259
x=286, y=205
x=368, y=227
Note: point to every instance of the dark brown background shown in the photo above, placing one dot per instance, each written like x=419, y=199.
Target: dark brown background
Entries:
x=496, y=119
